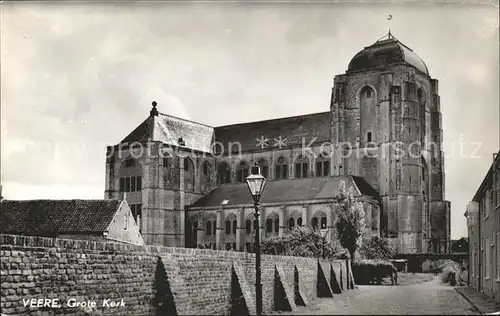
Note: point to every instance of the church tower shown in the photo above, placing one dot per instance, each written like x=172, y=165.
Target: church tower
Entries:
x=386, y=127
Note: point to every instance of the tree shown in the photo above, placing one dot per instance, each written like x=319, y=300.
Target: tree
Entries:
x=301, y=242
x=350, y=220
x=376, y=248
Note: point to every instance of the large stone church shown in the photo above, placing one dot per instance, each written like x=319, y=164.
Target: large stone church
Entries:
x=381, y=137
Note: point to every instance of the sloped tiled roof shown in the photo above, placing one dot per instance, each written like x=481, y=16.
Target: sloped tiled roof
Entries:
x=279, y=191
x=292, y=130
x=168, y=129
x=52, y=217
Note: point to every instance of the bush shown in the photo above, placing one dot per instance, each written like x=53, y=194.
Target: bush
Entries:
x=450, y=272
x=371, y=271
x=301, y=242
x=376, y=248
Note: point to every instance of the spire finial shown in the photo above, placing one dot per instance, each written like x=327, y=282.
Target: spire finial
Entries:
x=390, y=35
x=154, y=111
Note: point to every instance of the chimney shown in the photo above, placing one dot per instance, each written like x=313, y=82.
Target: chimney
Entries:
x=154, y=111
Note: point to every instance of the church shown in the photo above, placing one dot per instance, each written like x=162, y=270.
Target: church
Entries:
x=381, y=137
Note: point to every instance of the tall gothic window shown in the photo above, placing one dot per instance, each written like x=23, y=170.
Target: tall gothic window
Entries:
x=264, y=168
x=301, y=167
x=323, y=165
x=281, y=169
x=223, y=173
x=242, y=171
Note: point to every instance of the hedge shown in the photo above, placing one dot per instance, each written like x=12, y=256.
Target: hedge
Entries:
x=372, y=271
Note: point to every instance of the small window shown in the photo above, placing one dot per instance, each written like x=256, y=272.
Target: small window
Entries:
x=132, y=184
x=314, y=222
x=214, y=227
x=228, y=227
x=248, y=226
x=209, y=228
x=234, y=227
x=276, y=225
x=269, y=225
x=323, y=222
x=125, y=224
x=291, y=223
x=139, y=184
x=206, y=167
x=299, y=222
x=186, y=164
x=234, y=246
x=369, y=136
x=127, y=184
x=369, y=93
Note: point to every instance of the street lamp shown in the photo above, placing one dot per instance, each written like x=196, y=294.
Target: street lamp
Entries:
x=323, y=233
x=256, y=183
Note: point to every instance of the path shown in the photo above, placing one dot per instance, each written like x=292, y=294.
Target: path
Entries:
x=425, y=298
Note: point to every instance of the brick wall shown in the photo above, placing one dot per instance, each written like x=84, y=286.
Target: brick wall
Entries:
x=153, y=279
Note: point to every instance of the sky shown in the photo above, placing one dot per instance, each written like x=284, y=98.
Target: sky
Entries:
x=77, y=77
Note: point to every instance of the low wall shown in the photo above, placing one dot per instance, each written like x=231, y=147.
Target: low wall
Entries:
x=153, y=280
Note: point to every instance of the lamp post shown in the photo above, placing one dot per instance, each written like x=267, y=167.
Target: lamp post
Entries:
x=323, y=233
x=256, y=183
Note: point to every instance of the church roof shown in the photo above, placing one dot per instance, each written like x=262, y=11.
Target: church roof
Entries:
x=282, y=191
x=52, y=217
x=172, y=130
x=291, y=130
x=386, y=52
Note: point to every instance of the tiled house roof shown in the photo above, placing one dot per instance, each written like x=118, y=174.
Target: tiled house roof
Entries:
x=281, y=191
x=293, y=129
x=170, y=129
x=52, y=217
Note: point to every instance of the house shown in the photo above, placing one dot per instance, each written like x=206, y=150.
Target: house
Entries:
x=460, y=245
x=97, y=220
x=483, y=223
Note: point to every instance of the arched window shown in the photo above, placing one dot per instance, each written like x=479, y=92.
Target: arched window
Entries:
x=188, y=175
x=323, y=165
x=277, y=225
x=206, y=168
x=271, y=221
x=299, y=221
x=269, y=225
x=314, y=223
x=281, y=169
x=223, y=173
x=264, y=168
x=130, y=176
x=209, y=228
x=367, y=115
x=248, y=227
x=301, y=167
x=242, y=171
x=323, y=223
x=234, y=227
x=168, y=171
x=291, y=223
x=319, y=220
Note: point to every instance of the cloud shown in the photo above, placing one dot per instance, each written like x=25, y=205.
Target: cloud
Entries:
x=84, y=75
